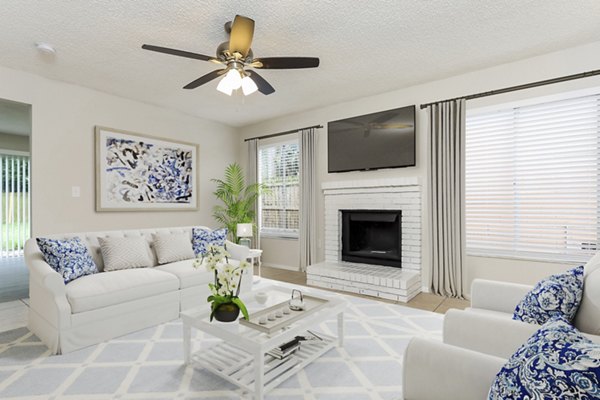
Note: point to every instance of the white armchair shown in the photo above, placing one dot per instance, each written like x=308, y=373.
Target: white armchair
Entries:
x=437, y=371
x=479, y=340
x=488, y=326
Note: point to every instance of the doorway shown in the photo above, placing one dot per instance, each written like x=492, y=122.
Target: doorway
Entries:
x=15, y=198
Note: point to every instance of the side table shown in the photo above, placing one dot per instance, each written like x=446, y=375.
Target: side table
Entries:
x=254, y=256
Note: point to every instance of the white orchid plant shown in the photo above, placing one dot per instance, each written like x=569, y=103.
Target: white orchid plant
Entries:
x=228, y=278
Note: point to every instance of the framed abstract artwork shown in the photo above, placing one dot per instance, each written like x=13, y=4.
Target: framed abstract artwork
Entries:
x=136, y=172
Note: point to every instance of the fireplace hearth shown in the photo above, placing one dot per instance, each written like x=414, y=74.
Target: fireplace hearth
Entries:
x=372, y=237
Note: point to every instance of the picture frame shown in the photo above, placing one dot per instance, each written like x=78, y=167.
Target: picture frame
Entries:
x=138, y=172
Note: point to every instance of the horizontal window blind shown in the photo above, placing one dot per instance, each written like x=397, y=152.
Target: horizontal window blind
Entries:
x=532, y=181
x=279, y=171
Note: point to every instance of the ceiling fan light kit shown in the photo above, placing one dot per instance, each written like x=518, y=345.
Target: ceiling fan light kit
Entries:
x=248, y=86
x=238, y=59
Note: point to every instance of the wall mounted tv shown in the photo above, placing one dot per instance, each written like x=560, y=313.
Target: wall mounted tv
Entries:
x=384, y=139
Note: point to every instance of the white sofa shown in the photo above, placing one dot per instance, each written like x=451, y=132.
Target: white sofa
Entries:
x=98, y=307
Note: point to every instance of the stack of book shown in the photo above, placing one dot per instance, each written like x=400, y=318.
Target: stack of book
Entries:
x=286, y=349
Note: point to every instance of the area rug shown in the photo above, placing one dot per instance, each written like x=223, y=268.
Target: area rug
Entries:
x=148, y=364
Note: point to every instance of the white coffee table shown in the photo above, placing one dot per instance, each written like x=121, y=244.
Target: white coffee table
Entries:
x=240, y=356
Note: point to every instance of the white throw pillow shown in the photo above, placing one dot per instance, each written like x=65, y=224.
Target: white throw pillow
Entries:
x=124, y=253
x=173, y=247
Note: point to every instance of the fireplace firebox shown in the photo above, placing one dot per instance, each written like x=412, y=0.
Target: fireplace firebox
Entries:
x=372, y=237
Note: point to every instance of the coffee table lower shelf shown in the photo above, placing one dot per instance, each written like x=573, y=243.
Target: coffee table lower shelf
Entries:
x=237, y=366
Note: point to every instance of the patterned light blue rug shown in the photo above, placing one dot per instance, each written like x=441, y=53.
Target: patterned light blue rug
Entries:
x=148, y=364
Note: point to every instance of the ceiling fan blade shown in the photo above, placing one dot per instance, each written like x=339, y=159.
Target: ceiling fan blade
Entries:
x=285, y=62
x=263, y=86
x=205, y=78
x=176, y=52
x=242, y=31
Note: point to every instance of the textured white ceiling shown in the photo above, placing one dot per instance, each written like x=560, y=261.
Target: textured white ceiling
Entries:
x=365, y=47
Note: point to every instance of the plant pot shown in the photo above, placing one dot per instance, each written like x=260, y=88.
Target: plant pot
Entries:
x=227, y=312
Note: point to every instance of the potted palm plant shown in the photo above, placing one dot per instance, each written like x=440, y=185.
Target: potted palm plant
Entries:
x=238, y=200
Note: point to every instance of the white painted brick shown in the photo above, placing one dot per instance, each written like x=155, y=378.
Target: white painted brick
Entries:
x=388, y=296
x=396, y=193
x=368, y=292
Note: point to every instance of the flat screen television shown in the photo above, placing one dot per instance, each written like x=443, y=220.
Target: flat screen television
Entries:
x=383, y=139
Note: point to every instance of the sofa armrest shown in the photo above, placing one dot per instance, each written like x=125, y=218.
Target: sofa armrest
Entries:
x=47, y=290
x=237, y=251
x=488, y=334
x=437, y=371
x=497, y=296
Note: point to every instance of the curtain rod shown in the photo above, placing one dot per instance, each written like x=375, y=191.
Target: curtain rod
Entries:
x=283, y=133
x=520, y=87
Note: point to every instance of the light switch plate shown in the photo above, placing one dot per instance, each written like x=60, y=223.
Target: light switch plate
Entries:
x=75, y=191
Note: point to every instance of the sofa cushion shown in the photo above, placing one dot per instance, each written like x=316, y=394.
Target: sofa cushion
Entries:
x=556, y=362
x=69, y=257
x=557, y=295
x=109, y=288
x=125, y=252
x=172, y=247
x=587, y=318
x=188, y=275
x=202, y=238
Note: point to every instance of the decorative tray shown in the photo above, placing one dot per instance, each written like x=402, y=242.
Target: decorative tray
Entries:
x=280, y=316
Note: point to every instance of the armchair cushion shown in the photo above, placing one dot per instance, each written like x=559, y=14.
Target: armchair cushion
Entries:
x=202, y=238
x=557, y=362
x=69, y=257
x=558, y=295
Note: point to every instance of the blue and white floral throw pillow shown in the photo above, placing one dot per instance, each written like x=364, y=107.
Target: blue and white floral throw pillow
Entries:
x=558, y=295
x=557, y=362
x=202, y=238
x=68, y=257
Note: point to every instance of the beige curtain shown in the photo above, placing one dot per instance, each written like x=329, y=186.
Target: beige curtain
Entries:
x=252, y=177
x=308, y=198
x=446, y=196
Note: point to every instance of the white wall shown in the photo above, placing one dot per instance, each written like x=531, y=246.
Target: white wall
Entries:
x=570, y=61
x=64, y=117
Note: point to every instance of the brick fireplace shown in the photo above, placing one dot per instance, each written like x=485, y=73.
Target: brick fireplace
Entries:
x=384, y=210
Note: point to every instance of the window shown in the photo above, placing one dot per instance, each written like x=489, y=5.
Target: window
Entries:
x=532, y=181
x=279, y=171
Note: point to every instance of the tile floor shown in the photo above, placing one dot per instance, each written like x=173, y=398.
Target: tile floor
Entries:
x=14, y=279
x=13, y=314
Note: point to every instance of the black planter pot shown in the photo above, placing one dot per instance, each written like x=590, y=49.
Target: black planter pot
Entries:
x=227, y=312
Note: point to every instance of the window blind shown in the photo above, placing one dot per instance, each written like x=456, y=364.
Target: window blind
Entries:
x=15, y=210
x=279, y=171
x=532, y=181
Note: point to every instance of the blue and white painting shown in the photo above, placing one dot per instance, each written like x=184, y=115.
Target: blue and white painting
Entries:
x=137, y=172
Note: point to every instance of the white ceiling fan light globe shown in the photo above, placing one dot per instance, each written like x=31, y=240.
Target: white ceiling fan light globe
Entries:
x=225, y=86
x=248, y=86
x=234, y=78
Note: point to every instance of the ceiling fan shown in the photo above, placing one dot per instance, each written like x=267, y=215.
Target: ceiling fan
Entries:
x=237, y=58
